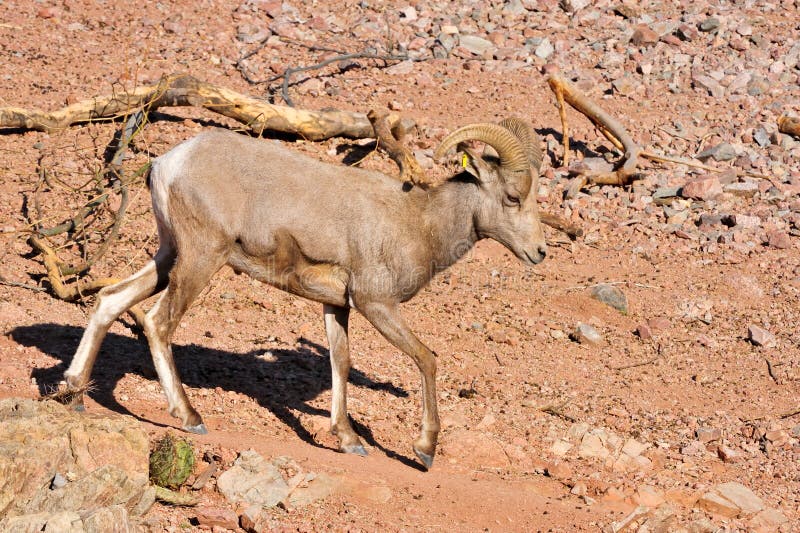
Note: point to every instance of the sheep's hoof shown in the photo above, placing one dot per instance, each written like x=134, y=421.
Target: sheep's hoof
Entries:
x=355, y=449
x=200, y=429
x=427, y=460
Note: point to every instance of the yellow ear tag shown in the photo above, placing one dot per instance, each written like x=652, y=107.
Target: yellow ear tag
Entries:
x=464, y=160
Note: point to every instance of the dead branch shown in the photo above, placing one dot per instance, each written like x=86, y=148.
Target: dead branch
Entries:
x=78, y=290
x=561, y=224
x=286, y=75
x=612, y=129
x=20, y=285
x=616, y=133
x=789, y=125
x=171, y=497
x=185, y=90
x=557, y=410
x=790, y=413
x=636, y=365
x=390, y=138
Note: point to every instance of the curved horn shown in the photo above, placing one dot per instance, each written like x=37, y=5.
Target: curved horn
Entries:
x=510, y=150
x=528, y=137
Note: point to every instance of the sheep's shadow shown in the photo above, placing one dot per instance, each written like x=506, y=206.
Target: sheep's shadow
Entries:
x=283, y=382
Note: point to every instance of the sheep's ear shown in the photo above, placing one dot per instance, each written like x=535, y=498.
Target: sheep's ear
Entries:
x=476, y=165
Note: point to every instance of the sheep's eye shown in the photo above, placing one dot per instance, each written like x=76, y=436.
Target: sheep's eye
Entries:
x=512, y=200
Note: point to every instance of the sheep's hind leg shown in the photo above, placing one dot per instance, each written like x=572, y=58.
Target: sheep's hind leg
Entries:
x=187, y=280
x=336, y=320
x=112, y=301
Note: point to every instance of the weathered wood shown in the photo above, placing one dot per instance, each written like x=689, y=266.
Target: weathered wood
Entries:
x=185, y=90
x=789, y=125
x=391, y=141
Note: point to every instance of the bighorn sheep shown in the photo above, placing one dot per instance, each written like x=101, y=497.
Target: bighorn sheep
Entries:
x=342, y=236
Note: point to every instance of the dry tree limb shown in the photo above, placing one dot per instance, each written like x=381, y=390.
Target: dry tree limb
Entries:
x=390, y=137
x=171, y=497
x=558, y=411
x=78, y=290
x=789, y=125
x=790, y=413
x=561, y=224
x=616, y=133
x=612, y=129
x=288, y=72
x=186, y=90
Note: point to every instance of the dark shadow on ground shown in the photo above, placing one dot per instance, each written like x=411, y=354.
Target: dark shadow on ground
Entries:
x=282, y=383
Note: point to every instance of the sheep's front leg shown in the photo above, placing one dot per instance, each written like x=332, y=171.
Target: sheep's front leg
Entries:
x=336, y=320
x=387, y=320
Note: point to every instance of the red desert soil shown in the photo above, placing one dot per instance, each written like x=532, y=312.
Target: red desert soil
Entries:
x=682, y=374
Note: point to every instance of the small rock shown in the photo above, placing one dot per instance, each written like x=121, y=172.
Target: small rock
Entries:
x=48, y=12
x=644, y=332
x=578, y=489
x=545, y=49
x=586, y=334
x=707, y=434
x=217, y=516
x=778, y=437
x=476, y=45
x=558, y=470
x=319, y=488
x=252, y=479
x=401, y=69
x=560, y=447
x=716, y=504
x=709, y=24
x=659, y=323
x=746, y=221
x=720, y=152
x=727, y=454
x=760, y=336
x=612, y=296
x=769, y=520
x=633, y=448
x=703, y=188
x=762, y=137
x=251, y=33
x=626, y=11
x=648, y=496
x=709, y=84
x=742, y=497
x=592, y=446
x=408, y=14
x=693, y=449
x=745, y=189
x=573, y=6
x=779, y=239
x=643, y=35
x=58, y=482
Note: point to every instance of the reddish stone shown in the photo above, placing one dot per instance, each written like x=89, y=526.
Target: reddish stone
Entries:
x=703, y=188
x=644, y=333
x=643, y=35
x=659, y=324
x=780, y=240
x=217, y=516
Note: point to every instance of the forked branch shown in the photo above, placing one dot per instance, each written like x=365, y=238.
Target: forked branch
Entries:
x=615, y=132
x=185, y=90
x=390, y=137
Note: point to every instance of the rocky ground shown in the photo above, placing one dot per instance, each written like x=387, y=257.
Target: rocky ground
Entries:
x=560, y=412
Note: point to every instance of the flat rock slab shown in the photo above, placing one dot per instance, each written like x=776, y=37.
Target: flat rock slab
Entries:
x=611, y=295
x=253, y=480
x=101, y=464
